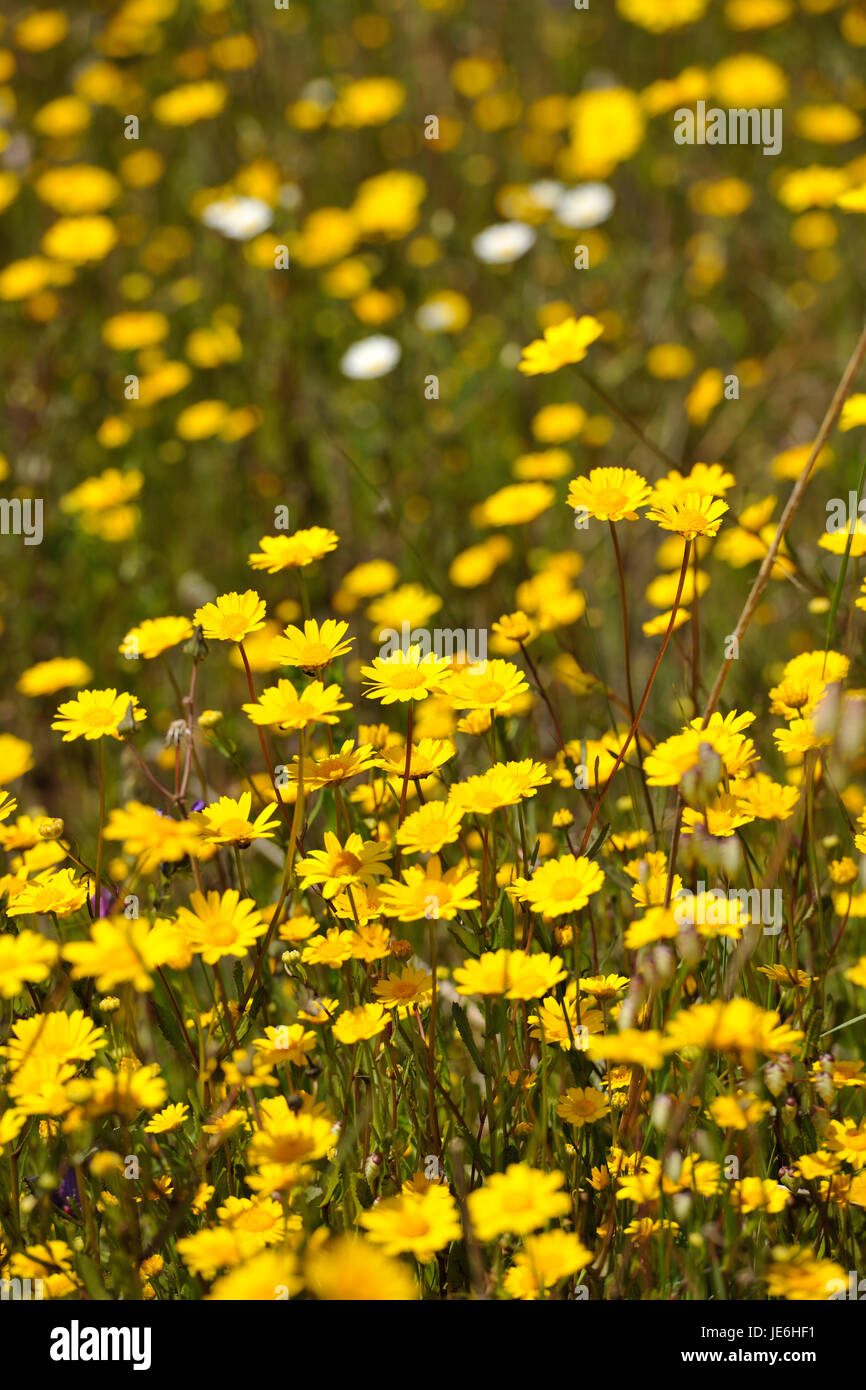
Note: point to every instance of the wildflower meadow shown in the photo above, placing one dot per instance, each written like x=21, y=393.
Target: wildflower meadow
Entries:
x=433, y=715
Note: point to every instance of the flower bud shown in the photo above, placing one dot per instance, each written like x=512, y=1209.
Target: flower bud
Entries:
x=778, y=1074
x=824, y=1087
x=196, y=646
x=51, y=828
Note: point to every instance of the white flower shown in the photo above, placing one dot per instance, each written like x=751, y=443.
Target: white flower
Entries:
x=442, y=313
x=503, y=242
x=546, y=193
x=586, y=205
x=371, y=357
x=240, y=219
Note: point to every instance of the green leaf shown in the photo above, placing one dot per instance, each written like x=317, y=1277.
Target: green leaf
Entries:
x=170, y=1028
x=465, y=1031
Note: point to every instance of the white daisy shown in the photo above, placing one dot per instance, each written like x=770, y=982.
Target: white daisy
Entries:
x=503, y=243
x=586, y=205
x=371, y=357
x=240, y=219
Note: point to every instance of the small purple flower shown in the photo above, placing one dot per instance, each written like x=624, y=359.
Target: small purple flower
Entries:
x=106, y=899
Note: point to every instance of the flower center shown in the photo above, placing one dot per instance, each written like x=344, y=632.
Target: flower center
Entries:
x=235, y=829
x=234, y=626
x=609, y=499
x=99, y=718
x=223, y=933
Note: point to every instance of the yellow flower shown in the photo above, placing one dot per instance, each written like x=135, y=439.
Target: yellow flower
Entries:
x=25, y=958
x=582, y=1106
x=659, y=16
x=658, y=924
x=16, y=758
x=411, y=988
x=756, y=1194
x=168, y=1119
x=608, y=126
x=283, y=706
x=637, y=1047
x=514, y=505
x=848, y=1139
x=262, y=1277
x=134, y=330
x=96, y=714
x=77, y=188
x=764, y=798
x=427, y=893
x=210, y=1250
x=562, y=1023
x=221, y=925
x=544, y=1261
x=408, y=603
x=155, y=838
x=403, y=676
x=425, y=757
x=357, y=1025
x=79, y=239
x=669, y=361
x=517, y=1201
x=722, y=817
x=857, y=973
x=414, y=1223
x=350, y=1269
x=288, y=1043
x=799, y=737
x=504, y=784
x=426, y=830
x=61, y=893
x=705, y=478
x=555, y=423
x=828, y=124
x=334, y=948
x=123, y=951
x=690, y=516
x=749, y=79
x=797, y=1274
x=485, y=685
x=738, y=1111
x=227, y=821
x=47, y=677
x=232, y=617
x=702, y=753
x=609, y=494
x=339, y=866
x=516, y=974
x=57, y=1035
x=155, y=636
x=109, y=490
x=193, y=101
x=335, y=768
x=560, y=886
x=368, y=101
x=288, y=552
x=316, y=646
x=562, y=344
x=737, y=1026
x=41, y=30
